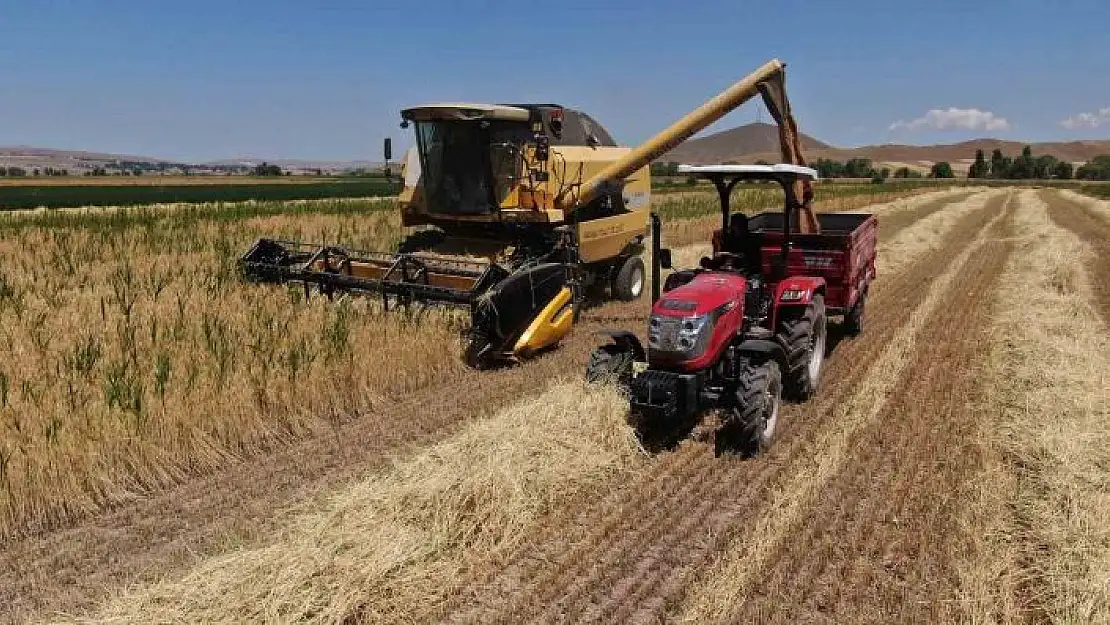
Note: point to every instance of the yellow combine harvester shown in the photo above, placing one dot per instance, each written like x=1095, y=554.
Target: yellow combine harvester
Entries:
x=524, y=206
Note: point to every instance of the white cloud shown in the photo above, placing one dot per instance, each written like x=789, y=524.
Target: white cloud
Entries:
x=954, y=118
x=1087, y=120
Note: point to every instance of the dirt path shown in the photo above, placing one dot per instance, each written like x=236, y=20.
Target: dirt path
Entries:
x=74, y=568
x=626, y=557
x=1093, y=230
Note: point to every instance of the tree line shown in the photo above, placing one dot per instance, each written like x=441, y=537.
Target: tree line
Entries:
x=1029, y=167
x=998, y=167
x=1024, y=167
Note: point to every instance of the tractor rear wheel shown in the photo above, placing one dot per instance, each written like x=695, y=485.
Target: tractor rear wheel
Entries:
x=853, y=321
x=628, y=284
x=610, y=363
x=750, y=424
x=804, y=333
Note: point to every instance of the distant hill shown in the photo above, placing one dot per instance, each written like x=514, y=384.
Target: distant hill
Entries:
x=733, y=144
x=743, y=144
x=78, y=162
x=1075, y=151
x=752, y=142
x=289, y=163
x=74, y=161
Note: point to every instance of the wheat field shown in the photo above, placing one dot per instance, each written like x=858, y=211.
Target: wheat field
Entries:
x=158, y=414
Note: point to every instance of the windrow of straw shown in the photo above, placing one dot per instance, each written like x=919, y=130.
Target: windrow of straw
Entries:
x=1040, y=510
x=385, y=549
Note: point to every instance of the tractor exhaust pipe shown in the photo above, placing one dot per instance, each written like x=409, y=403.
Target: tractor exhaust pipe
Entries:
x=656, y=261
x=660, y=257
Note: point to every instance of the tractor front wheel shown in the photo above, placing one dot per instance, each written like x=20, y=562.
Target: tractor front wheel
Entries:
x=750, y=424
x=804, y=333
x=610, y=363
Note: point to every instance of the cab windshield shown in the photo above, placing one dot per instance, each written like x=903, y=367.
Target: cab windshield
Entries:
x=469, y=167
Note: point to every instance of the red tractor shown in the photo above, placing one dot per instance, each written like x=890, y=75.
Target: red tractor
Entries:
x=749, y=325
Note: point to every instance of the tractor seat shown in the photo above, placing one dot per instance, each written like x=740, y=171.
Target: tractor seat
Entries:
x=742, y=242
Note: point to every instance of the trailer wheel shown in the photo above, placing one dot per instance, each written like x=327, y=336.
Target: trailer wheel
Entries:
x=751, y=423
x=853, y=321
x=803, y=332
x=610, y=362
x=629, y=281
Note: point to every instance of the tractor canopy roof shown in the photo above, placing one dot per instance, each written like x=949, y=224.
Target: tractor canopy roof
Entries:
x=751, y=171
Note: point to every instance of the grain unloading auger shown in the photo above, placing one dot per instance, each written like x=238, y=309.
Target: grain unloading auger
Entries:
x=524, y=207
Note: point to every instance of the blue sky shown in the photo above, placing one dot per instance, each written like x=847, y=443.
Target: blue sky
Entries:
x=324, y=80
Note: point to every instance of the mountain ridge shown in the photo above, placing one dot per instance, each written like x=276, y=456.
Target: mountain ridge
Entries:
x=742, y=144
x=749, y=143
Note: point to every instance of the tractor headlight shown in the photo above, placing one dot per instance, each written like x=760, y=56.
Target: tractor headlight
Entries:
x=686, y=335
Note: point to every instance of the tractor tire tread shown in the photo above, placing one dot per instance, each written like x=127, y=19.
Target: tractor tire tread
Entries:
x=610, y=362
x=744, y=429
x=795, y=333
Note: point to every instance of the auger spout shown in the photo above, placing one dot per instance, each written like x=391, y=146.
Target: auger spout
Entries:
x=768, y=81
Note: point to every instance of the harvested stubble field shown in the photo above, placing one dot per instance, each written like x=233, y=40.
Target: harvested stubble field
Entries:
x=924, y=482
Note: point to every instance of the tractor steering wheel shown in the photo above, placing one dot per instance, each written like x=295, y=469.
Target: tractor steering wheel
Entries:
x=721, y=260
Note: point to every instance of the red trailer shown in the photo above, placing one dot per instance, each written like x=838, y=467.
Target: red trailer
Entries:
x=750, y=323
x=842, y=255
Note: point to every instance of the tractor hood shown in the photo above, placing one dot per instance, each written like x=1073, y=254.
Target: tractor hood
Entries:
x=705, y=293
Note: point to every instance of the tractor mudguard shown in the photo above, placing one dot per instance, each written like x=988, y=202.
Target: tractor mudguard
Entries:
x=767, y=349
x=796, y=292
x=627, y=340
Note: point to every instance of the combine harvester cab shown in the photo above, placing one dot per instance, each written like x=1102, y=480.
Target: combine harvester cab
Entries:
x=524, y=208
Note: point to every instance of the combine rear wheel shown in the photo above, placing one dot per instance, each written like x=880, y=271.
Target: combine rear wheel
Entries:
x=803, y=332
x=629, y=281
x=750, y=424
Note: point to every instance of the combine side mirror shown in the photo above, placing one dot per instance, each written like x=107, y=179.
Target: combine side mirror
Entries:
x=387, y=149
x=665, y=258
x=543, y=149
